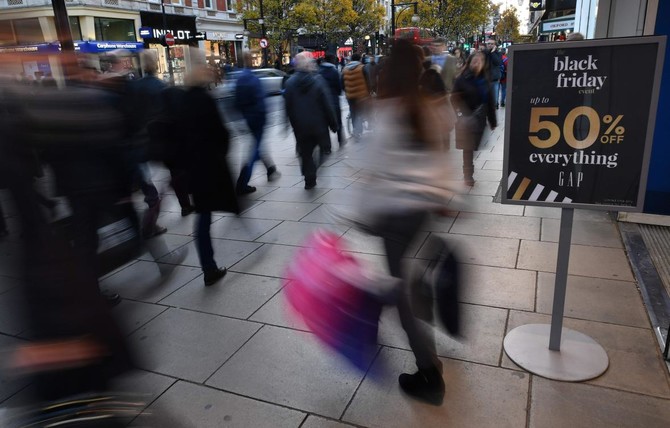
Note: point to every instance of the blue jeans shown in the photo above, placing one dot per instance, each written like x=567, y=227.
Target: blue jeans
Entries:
x=495, y=87
x=203, y=241
x=256, y=127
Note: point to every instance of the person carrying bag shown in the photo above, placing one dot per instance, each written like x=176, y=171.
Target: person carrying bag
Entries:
x=473, y=100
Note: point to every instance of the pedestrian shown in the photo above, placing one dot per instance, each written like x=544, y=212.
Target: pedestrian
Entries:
x=406, y=180
x=328, y=70
x=204, y=153
x=150, y=111
x=118, y=81
x=342, y=63
x=250, y=101
x=494, y=61
x=310, y=111
x=357, y=91
x=473, y=100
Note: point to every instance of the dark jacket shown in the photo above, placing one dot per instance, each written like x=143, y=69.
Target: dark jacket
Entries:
x=471, y=92
x=308, y=106
x=206, y=149
x=250, y=98
x=495, y=61
x=332, y=77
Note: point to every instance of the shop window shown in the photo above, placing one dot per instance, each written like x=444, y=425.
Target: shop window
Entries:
x=115, y=29
x=75, y=29
x=6, y=33
x=28, y=31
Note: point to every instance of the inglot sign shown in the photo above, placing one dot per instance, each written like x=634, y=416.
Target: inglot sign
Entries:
x=580, y=122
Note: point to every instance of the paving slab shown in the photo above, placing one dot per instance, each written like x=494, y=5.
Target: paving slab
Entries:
x=12, y=316
x=499, y=287
x=480, y=250
x=240, y=228
x=485, y=188
x=580, y=214
x=9, y=383
x=594, y=233
x=487, y=175
x=476, y=396
x=131, y=315
x=500, y=226
x=278, y=312
x=597, y=262
x=237, y=295
x=281, y=210
x=564, y=404
x=142, y=281
x=319, y=422
x=189, y=345
x=7, y=283
x=595, y=299
x=268, y=260
x=186, y=405
x=290, y=368
x=635, y=363
x=176, y=224
x=227, y=252
x=493, y=164
x=295, y=194
x=481, y=339
x=483, y=205
x=163, y=245
x=295, y=233
x=348, y=196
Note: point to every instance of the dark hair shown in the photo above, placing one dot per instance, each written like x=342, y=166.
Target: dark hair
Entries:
x=356, y=57
x=485, y=68
x=331, y=58
x=400, y=78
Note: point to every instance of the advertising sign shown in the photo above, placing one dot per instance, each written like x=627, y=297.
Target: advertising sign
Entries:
x=182, y=28
x=580, y=122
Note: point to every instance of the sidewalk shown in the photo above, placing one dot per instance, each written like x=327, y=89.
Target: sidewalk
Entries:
x=230, y=355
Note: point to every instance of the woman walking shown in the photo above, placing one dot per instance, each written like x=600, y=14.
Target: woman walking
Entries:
x=473, y=100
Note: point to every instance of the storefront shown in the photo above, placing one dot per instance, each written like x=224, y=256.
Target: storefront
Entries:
x=185, y=35
x=223, y=49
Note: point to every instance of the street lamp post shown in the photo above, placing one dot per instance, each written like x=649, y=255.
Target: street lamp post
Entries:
x=167, y=47
x=415, y=18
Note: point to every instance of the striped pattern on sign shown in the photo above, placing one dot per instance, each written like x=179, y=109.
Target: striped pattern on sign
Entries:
x=523, y=189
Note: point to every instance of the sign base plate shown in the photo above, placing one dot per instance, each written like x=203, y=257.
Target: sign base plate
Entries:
x=580, y=358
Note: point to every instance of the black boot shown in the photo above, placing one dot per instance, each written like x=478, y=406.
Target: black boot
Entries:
x=243, y=187
x=212, y=276
x=425, y=385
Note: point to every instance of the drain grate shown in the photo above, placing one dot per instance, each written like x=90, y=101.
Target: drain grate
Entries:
x=657, y=241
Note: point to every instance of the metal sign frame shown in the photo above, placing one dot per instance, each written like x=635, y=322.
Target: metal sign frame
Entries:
x=658, y=69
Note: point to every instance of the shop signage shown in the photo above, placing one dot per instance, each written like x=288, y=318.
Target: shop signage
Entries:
x=44, y=48
x=181, y=27
x=536, y=5
x=97, y=47
x=580, y=122
x=557, y=25
x=200, y=36
x=146, y=32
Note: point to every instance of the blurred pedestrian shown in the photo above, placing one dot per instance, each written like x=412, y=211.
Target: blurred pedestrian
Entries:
x=250, y=101
x=118, y=81
x=150, y=110
x=328, y=70
x=434, y=91
x=494, y=62
x=310, y=111
x=406, y=181
x=473, y=100
x=204, y=155
x=357, y=91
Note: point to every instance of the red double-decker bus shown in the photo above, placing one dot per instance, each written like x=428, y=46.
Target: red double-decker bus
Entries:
x=416, y=35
